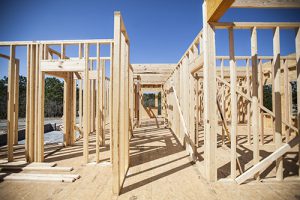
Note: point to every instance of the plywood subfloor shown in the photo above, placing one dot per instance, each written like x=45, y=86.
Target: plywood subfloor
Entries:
x=160, y=169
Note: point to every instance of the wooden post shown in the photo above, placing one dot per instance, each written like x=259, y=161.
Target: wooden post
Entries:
x=10, y=103
x=115, y=103
x=126, y=106
x=248, y=103
x=102, y=103
x=223, y=101
x=74, y=110
x=210, y=121
x=80, y=91
x=197, y=111
x=260, y=101
x=233, y=103
x=297, y=42
x=286, y=108
x=36, y=111
x=98, y=105
x=27, y=105
x=255, y=117
x=86, y=106
x=41, y=96
x=16, y=101
x=277, y=110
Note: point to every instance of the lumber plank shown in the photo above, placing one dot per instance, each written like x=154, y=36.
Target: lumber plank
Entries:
x=254, y=107
x=63, y=65
x=259, y=167
x=266, y=4
x=277, y=98
x=10, y=103
x=233, y=104
x=297, y=44
x=209, y=87
x=217, y=8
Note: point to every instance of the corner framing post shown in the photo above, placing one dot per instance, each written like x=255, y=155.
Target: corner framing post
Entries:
x=210, y=121
x=115, y=103
x=277, y=110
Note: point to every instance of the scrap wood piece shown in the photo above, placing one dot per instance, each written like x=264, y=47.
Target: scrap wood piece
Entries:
x=55, y=169
x=33, y=177
x=21, y=164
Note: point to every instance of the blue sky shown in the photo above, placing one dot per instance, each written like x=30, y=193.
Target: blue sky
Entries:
x=159, y=30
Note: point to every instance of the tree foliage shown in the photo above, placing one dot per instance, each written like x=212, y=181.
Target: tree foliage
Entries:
x=54, y=92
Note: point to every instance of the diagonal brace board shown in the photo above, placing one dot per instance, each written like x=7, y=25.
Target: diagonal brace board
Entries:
x=189, y=147
x=268, y=160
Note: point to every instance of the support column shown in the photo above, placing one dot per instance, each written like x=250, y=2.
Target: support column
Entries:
x=233, y=103
x=254, y=107
x=86, y=106
x=10, y=103
x=27, y=105
x=277, y=110
x=210, y=121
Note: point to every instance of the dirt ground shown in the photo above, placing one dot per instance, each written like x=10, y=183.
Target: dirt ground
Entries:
x=159, y=169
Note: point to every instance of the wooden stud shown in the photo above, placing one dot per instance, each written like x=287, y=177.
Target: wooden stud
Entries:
x=10, y=103
x=98, y=105
x=260, y=101
x=86, y=106
x=297, y=44
x=115, y=104
x=223, y=93
x=254, y=106
x=27, y=105
x=16, y=101
x=286, y=108
x=248, y=103
x=210, y=121
x=233, y=104
x=277, y=110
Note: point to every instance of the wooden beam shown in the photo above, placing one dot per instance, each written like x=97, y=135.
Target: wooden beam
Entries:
x=254, y=107
x=115, y=103
x=27, y=105
x=98, y=104
x=209, y=87
x=297, y=44
x=277, y=105
x=233, y=104
x=266, y=4
x=16, y=101
x=86, y=106
x=248, y=103
x=217, y=8
x=10, y=103
x=62, y=65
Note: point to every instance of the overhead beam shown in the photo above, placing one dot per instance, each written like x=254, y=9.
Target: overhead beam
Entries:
x=266, y=4
x=217, y=8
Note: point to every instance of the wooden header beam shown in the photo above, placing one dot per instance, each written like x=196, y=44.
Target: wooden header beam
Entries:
x=57, y=42
x=217, y=8
x=266, y=4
